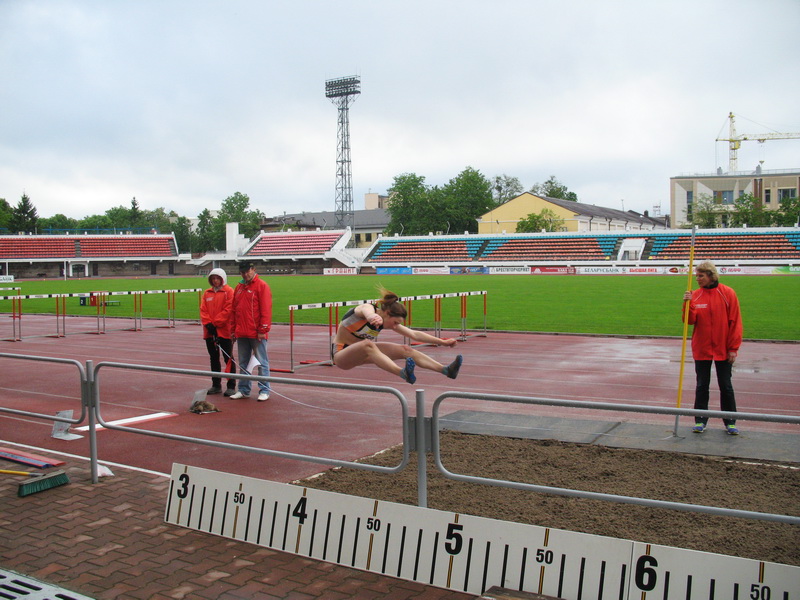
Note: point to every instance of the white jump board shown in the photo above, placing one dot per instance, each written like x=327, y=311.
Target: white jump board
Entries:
x=460, y=552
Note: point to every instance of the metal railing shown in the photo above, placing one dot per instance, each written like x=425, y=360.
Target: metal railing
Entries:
x=95, y=372
x=603, y=406
x=419, y=434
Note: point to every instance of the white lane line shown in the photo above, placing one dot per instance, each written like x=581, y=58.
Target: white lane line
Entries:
x=128, y=421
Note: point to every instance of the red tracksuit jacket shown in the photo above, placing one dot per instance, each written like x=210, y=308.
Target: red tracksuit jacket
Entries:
x=717, y=320
x=252, y=309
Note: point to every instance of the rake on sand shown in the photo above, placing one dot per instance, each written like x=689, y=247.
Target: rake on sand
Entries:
x=38, y=482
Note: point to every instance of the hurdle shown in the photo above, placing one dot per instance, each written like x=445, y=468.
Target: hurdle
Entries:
x=170, y=305
x=100, y=301
x=16, y=313
x=61, y=312
x=409, y=301
x=138, y=304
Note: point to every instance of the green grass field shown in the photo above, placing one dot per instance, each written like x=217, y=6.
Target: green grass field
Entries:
x=595, y=304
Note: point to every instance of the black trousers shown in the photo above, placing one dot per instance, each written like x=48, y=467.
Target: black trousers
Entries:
x=727, y=399
x=226, y=350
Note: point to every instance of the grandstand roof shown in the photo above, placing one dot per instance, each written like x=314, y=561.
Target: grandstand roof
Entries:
x=376, y=218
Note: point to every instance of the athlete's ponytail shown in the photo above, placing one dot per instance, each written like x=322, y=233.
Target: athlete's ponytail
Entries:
x=390, y=304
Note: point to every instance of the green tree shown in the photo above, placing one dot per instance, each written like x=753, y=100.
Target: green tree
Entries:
x=505, y=188
x=417, y=209
x=204, y=239
x=788, y=213
x=24, y=217
x=156, y=220
x=544, y=220
x=553, y=188
x=58, y=222
x=181, y=227
x=236, y=209
x=119, y=218
x=135, y=214
x=410, y=200
x=749, y=211
x=5, y=213
x=465, y=197
x=95, y=222
x=705, y=212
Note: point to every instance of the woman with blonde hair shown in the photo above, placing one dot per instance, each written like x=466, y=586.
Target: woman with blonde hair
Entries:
x=356, y=340
x=716, y=337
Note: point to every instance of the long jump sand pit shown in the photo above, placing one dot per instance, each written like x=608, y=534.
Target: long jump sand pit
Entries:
x=762, y=486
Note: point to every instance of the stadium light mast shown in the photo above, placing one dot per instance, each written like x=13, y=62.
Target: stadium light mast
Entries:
x=342, y=92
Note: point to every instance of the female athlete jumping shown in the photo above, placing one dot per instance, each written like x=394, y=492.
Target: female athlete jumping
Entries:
x=356, y=341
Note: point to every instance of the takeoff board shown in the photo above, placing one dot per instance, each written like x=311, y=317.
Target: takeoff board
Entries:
x=461, y=552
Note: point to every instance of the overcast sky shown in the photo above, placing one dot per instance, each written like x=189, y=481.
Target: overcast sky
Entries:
x=183, y=103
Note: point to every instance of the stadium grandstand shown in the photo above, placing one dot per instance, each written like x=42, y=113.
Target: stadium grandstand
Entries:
x=778, y=246
x=312, y=252
x=29, y=256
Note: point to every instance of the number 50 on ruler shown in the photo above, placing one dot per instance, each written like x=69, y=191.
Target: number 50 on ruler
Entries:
x=460, y=552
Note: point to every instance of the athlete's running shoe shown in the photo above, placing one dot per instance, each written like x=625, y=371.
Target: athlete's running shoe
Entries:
x=452, y=369
x=408, y=372
x=732, y=430
x=699, y=427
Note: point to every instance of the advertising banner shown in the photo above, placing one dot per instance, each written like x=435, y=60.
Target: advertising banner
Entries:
x=645, y=270
x=752, y=270
x=340, y=271
x=624, y=270
x=6, y=279
x=747, y=270
x=600, y=270
x=394, y=271
x=509, y=270
x=468, y=270
x=431, y=271
x=553, y=271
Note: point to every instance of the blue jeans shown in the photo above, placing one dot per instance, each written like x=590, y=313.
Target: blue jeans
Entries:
x=727, y=399
x=246, y=347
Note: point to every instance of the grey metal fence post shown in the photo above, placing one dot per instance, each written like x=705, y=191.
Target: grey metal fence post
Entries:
x=422, y=452
x=90, y=401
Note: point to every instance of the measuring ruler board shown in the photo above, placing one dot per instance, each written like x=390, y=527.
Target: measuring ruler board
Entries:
x=461, y=552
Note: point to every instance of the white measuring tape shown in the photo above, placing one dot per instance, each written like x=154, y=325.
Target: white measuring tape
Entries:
x=460, y=552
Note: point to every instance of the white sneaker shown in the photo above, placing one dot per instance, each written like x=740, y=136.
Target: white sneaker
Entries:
x=238, y=396
x=263, y=397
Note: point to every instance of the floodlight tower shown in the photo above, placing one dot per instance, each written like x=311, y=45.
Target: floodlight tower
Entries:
x=342, y=93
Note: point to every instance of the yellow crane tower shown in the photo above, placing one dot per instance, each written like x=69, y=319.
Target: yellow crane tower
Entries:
x=735, y=141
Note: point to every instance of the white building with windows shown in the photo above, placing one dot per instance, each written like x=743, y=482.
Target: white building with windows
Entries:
x=768, y=186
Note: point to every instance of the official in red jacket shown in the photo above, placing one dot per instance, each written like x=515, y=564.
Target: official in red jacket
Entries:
x=716, y=337
x=215, y=315
x=251, y=320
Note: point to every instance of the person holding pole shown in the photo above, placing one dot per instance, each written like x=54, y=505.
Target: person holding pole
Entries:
x=716, y=338
x=251, y=320
x=356, y=341
x=215, y=315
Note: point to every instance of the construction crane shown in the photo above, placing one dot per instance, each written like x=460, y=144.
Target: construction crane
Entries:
x=735, y=141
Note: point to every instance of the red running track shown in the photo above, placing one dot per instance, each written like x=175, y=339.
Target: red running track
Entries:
x=343, y=424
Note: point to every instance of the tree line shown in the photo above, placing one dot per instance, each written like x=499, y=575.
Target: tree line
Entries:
x=416, y=209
